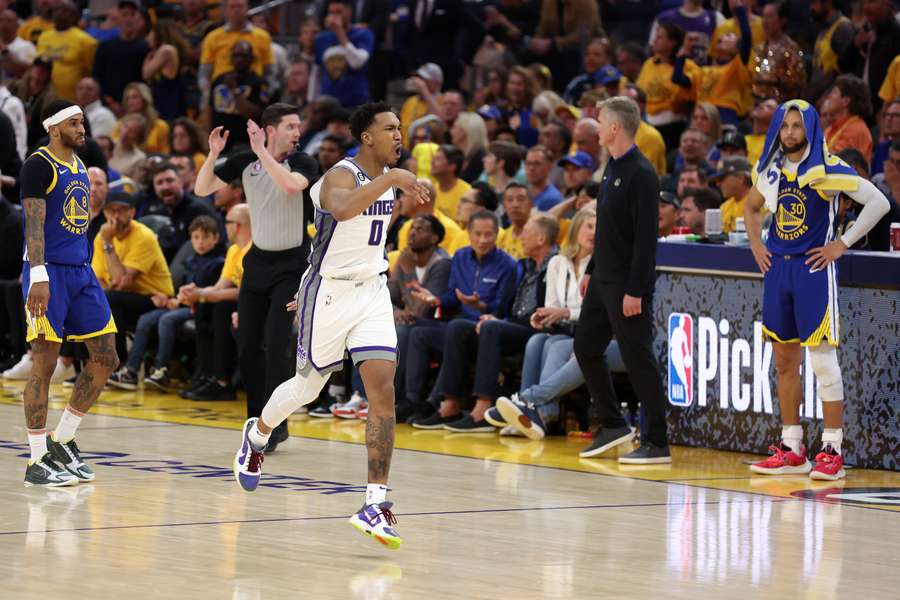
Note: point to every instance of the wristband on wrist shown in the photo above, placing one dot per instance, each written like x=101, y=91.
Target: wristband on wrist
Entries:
x=39, y=274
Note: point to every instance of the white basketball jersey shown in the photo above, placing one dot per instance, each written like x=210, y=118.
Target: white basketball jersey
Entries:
x=351, y=249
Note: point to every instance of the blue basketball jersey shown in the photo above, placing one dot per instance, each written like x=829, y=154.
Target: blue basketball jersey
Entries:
x=804, y=218
x=68, y=211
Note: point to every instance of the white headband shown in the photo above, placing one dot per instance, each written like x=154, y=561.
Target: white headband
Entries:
x=66, y=113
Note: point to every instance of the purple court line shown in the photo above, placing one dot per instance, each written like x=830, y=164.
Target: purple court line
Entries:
x=415, y=514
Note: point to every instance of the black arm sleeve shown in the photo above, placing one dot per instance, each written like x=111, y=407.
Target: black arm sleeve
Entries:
x=306, y=165
x=645, y=217
x=234, y=166
x=37, y=175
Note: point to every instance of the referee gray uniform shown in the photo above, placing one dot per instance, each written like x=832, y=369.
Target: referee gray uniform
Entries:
x=272, y=271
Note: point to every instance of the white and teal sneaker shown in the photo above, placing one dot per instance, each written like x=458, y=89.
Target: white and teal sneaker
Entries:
x=47, y=473
x=69, y=457
x=248, y=461
x=377, y=521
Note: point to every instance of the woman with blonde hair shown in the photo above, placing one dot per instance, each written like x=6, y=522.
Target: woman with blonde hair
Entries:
x=137, y=98
x=706, y=119
x=549, y=369
x=469, y=134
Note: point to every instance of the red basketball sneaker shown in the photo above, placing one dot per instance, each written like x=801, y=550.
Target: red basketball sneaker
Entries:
x=829, y=466
x=782, y=462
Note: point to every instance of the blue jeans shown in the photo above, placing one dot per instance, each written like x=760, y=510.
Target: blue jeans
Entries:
x=166, y=322
x=550, y=370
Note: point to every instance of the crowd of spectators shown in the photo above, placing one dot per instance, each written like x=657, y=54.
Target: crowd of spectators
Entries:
x=497, y=101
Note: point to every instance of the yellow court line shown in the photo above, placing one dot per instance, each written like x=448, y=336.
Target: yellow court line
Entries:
x=697, y=467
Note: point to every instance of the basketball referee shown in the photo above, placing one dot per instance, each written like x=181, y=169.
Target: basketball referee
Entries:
x=275, y=179
x=618, y=289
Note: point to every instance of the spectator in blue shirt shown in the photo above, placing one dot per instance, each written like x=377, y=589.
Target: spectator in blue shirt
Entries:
x=482, y=282
x=351, y=86
x=538, y=164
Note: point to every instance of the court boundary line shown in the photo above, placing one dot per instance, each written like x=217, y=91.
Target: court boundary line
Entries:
x=411, y=514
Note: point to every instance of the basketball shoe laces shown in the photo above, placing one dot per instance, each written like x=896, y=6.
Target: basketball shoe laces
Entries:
x=388, y=516
x=72, y=450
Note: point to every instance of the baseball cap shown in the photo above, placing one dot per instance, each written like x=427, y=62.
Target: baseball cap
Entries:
x=489, y=111
x=580, y=159
x=119, y=197
x=669, y=198
x=733, y=139
x=733, y=165
x=430, y=72
x=138, y=6
x=607, y=75
x=336, y=50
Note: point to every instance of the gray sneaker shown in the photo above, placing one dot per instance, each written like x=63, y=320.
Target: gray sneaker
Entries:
x=123, y=379
x=647, y=454
x=69, y=457
x=47, y=473
x=607, y=439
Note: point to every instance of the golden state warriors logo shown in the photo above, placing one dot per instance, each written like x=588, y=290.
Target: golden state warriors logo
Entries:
x=76, y=215
x=790, y=218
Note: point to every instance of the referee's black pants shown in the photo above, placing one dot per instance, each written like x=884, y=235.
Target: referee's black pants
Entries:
x=267, y=346
x=601, y=319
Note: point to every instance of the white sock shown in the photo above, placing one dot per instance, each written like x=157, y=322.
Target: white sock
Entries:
x=833, y=438
x=375, y=493
x=37, y=439
x=68, y=424
x=792, y=436
x=257, y=438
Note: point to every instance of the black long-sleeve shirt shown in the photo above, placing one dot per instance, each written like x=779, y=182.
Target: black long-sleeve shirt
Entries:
x=627, y=222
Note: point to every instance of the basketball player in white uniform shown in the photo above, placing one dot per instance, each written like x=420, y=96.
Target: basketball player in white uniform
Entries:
x=344, y=306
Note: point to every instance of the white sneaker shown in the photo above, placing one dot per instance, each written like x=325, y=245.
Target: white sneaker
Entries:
x=349, y=409
x=21, y=370
x=511, y=431
x=62, y=372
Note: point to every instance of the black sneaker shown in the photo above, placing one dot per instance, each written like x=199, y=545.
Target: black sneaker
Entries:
x=435, y=421
x=159, y=380
x=69, y=457
x=607, y=439
x=647, y=454
x=421, y=411
x=213, y=390
x=123, y=379
x=196, y=384
x=279, y=434
x=404, y=410
x=322, y=410
x=47, y=473
x=469, y=425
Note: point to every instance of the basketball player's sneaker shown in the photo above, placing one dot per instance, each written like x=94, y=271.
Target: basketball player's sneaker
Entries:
x=69, y=457
x=47, y=473
x=829, y=466
x=783, y=461
x=248, y=461
x=377, y=521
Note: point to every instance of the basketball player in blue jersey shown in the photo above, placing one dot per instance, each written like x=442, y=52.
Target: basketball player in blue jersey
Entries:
x=62, y=296
x=799, y=181
x=345, y=307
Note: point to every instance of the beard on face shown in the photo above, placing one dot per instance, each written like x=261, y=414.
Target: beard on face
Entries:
x=72, y=141
x=794, y=149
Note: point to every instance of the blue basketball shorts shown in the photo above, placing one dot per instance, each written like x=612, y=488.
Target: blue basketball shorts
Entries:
x=799, y=305
x=78, y=308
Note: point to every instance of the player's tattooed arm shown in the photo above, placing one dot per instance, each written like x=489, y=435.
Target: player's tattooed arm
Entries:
x=35, y=215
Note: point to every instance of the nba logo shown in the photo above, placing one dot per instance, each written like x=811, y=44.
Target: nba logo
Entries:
x=301, y=357
x=681, y=359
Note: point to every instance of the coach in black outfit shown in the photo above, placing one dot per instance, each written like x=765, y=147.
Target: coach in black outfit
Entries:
x=618, y=289
x=276, y=181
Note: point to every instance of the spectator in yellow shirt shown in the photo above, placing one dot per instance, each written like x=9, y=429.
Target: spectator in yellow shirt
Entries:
x=445, y=168
x=410, y=208
x=129, y=264
x=667, y=102
x=760, y=118
x=69, y=48
x=139, y=99
x=517, y=205
x=734, y=183
x=426, y=83
x=731, y=25
x=480, y=197
x=648, y=139
x=215, y=51
x=39, y=22
x=890, y=87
